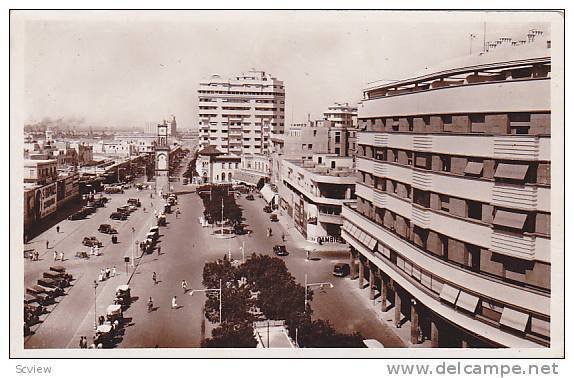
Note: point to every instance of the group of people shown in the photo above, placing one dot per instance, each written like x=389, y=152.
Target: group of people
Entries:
x=58, y=256
x=106, y=273
x=174, y=304
x=35, y=256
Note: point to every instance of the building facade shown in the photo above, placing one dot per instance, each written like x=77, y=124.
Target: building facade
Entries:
x=452, y=221
x=239, y=115
x=312, y=193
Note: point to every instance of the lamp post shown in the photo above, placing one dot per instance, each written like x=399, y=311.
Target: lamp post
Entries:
x=220, y=297
x=133, y=231
x=95, y=311
x=320, y=284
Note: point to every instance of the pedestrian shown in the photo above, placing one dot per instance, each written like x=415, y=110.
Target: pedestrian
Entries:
x=57, y=229
x=174, y=302
x=154, y=277
x=114, y=271
x=62, y=256
x=47, y=244
x=36, y=255
x=81, y=342
x=108, y=272
x=283, y=237
x=158, y=250
x=55, y=255
x=184, y=286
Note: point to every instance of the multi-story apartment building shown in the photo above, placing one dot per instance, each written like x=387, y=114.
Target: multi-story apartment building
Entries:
x=452, y=221
x=241, y=114
x=312, y=193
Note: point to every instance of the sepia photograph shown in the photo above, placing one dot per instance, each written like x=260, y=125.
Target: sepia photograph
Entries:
x=286, y=183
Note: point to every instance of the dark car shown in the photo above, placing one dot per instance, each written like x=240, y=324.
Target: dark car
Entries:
x=341, y=269
x=89, y=209
x=91, y=241
x=118, y=216
x=135, y=202
x=249, y=197
x=267, y=209
x=280, y=250
x=273, y=218
x=107, y=229
x=77, y=215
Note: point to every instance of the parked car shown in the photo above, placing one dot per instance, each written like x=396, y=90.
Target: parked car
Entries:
x=77, y=215
x=107, y=229
x=135, y=202
x=118, y=216
x=89, y=209
x=124, y=209
x=91, y=241
x=267, y=209
x=249, y=197
x=113, y=190
x=341, y=269
x=273, y=218
x=280, y=250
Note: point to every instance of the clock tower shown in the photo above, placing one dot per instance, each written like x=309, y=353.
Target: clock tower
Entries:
x=162, y=160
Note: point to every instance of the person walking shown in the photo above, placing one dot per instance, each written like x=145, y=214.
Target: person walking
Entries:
x=55, y=255
x=81, y=342
x=184, y=286
x=154, y=277
x=283, y=237
x=57, y=229
x=47, y=244
x=159, y=250
x=108, y=272
x=174, y=302
x=114, y=271
x=61, y=256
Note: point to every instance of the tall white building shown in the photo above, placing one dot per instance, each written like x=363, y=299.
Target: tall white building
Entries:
x=239, y=115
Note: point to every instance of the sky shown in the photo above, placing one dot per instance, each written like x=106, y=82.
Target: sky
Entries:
x=129, y=68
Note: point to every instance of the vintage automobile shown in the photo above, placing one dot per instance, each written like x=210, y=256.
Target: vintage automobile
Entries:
x=53, y=283
x=89, y=209
x=341, y=269
x=30, y=318
x=123, y=292
x=155, y=230
x=135, y=202
x=54, y=290
x=267, y=209
x=104, y=335
x=43, y=294
x=107, y=229
x=113, y=190
x=58, y=276
x=250, y=197
x=34, y=308
x=124, y=209
x=114, y=312
x=78, y=215
x=280, y=250
x=161, y=220
x=119, y=216
x=273, y=218
x=90, y=241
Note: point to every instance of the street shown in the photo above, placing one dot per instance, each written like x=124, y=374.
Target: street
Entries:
x=185, y=247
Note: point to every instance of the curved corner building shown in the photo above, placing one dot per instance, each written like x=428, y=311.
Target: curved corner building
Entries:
x=452, y=222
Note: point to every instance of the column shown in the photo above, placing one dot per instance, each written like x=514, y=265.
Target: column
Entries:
x=397, y=308
x=353, y=264
x=372, y=282
x=384, y=293
x=434, y=334
x=415, y=331
x=361, y=273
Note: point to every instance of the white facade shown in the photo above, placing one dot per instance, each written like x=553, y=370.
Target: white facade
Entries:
x=240, y=114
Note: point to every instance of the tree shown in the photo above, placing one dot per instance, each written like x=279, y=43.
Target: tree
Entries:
x=260, y=183
x=231, y=335
x=321, y=334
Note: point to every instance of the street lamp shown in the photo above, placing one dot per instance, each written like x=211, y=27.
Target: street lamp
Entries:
x=320, y=284
x=95, y=312
x=133, y=231
x=220, y=297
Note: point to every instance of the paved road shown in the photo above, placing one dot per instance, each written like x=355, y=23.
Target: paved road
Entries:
x=185, y=247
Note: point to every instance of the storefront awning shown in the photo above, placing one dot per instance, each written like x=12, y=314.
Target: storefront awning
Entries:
x=473, y=168
x=511, y=171
x=467, y=301
x=514, y=319
x=508, y=219
x=267, y=193
x=449, y=293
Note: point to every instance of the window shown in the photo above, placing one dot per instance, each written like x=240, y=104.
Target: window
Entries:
x=337, y=150
x=314, y=132
x=395, y=124
x=395, y=156
x=473, y=168
x=519, y=123
x=445, y=163
x=409, y=158
x=474, y=210
x=332, y=164
x=337, y=139
x=477, y=123
x=509, y=219
x=410, y=122
x=447, y=123
x=444, y=202
x=511, y=171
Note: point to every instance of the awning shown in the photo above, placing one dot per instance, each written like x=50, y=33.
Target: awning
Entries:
x=511, y=171
x=508, y=219
x=385, y=251
x=449, y=293
x=514, y=319
x=467, y=301
x=473, y=168
x=267, y=193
